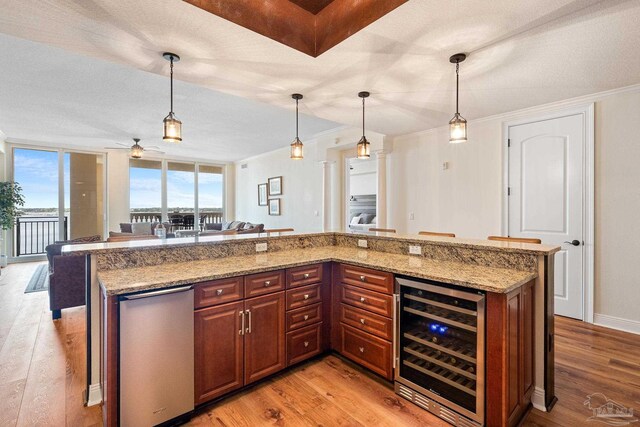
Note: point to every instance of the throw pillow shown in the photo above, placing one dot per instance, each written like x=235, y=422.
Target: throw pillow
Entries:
x=125, y=227
x=247, y=226
x=355, y=220
x=367, y=218
x=235, y=225
x=141, y=228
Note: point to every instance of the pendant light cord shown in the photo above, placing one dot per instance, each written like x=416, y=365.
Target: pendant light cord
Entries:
x=457, y=83
x=297, y=119
x=363, y=117
x=171, y=84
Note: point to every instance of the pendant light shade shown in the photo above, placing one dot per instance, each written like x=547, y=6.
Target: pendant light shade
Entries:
x=457, y=125
x=172, y=126
x=136, y=149
x=363, y=148
x=296, y=145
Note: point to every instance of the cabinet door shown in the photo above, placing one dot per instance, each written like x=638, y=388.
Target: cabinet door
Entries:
x=218, y=350
x=264, y=337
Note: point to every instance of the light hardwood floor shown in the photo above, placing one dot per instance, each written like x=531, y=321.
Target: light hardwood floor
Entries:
x=42, y=370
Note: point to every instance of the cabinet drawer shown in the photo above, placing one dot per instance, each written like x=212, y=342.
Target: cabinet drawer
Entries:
x=372, y=301
x=304, y=343
x=365, y=321
x=366, y=278
x=304, y=316
x=306, y=295
x=263, y=283
x=368, y=350
x=217, y=292
x=305, y=275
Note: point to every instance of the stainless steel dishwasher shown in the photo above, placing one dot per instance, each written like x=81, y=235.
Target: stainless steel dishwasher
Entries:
x=156, y=356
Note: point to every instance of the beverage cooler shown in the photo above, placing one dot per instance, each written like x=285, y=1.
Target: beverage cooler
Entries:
x=440, y=350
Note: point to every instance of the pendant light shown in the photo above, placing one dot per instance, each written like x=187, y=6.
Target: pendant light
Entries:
x=363, y=148
x=172, y=126
x=457, y=125
x=296, y=145
x=136, y=149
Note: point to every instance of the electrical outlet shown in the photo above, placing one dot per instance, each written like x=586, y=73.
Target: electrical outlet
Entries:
x=362, y=243
x=415, y=250
x=261, y=247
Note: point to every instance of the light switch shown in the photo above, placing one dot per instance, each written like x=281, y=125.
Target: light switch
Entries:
x=445, y=166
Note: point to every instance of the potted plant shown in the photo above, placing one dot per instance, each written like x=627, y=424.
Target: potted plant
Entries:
x=10, y=201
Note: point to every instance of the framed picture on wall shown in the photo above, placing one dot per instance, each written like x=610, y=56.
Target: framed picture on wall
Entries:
x=274, y=206
x=262, y=194
x=275, y=186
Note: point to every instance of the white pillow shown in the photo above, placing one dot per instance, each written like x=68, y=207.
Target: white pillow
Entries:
x=355, y=220
x=373, y=220
x=139, y=228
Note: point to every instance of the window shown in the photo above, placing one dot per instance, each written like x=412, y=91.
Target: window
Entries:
x=184, y=185
x=145, y=190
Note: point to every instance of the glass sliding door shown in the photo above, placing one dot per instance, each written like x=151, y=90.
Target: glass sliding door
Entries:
x=210, y=194
x=38, y=225
x=83, y=194
x=145, y=190
x=181, y=195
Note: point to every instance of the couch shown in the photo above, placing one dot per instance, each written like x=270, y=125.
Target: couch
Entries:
x=240, y=226
x=140, y=228
x=67, y=276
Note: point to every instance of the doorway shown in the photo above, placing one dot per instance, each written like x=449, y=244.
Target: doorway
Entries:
x=549, y=196
x=361, y=191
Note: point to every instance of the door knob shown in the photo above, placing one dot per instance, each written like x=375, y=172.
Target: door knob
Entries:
x=574, y=242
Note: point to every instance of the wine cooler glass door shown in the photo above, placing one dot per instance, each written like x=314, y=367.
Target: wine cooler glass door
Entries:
x=441, y=345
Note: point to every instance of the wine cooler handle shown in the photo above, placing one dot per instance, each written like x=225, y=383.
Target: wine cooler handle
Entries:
x=396, y=344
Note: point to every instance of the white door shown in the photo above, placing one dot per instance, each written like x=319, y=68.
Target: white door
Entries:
x=546, y=198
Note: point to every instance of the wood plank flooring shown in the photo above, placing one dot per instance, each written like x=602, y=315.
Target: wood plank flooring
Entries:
x=42, y=368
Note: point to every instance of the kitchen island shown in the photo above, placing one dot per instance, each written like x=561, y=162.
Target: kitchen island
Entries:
x=350, y=297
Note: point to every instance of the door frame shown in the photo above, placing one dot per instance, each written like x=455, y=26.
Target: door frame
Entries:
x=588, y=205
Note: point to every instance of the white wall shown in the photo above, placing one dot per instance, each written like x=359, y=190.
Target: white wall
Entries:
x=362, y=177
x=117, y=189
x=466, y=199
x=301, y=199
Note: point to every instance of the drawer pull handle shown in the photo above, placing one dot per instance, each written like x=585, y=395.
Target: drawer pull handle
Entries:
x=363, y=299
x=267, y=283
x=361, y=349
x=306, y=343
x=306, y=296
x=219, y=292
x=362, y=321
x=305, y=275
x=306, y=317
x=363, y=279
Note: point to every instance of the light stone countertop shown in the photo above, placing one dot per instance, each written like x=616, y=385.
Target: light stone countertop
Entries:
x=124, y=281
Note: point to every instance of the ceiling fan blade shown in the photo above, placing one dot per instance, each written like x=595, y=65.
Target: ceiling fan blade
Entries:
x=123, y=144
x=153, y=147
x=116, y=148
x=154, y=151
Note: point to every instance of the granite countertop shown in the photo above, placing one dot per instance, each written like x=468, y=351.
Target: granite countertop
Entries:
x=123, y=281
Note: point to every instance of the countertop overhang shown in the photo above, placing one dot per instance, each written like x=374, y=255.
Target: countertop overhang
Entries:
x=166, y=275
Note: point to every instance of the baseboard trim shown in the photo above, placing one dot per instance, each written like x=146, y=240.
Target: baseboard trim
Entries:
x=538, y=399
x=94, y=395
x=618, y=323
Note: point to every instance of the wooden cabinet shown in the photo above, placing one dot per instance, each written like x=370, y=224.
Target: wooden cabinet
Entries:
x=264, y=337
x=218, y=292
x=363, y=317
x=304, y=343
x=218, y=350
x=263, y=283
x=510, y=367
x=303, y=296
x=304, y=316
x=305, y=275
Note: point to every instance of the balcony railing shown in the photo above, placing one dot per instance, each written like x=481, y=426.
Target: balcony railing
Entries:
x=34, y=233
x=182, y=220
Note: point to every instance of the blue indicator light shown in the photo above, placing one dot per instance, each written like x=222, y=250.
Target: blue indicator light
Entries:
x=434, y=327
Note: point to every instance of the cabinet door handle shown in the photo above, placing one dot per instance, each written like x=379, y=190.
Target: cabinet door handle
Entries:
x=267, y=283
x=306, y=296
x=305, y=275
x=306, y=343
x=363, y=279
x=362, y=321
x=249, y=328
x=306, y=317
x=363, y=299
x=241, y=331
x=219, y=292
x=361, y=349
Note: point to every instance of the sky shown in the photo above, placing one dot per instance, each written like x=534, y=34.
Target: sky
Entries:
x=37, y=173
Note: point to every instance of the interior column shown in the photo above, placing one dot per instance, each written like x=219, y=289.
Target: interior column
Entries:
x=381, y=196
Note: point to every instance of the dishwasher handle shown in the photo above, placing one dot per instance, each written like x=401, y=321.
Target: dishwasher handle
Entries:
x=157, y=293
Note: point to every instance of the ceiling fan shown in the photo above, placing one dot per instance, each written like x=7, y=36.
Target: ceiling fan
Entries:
x=136, y=149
